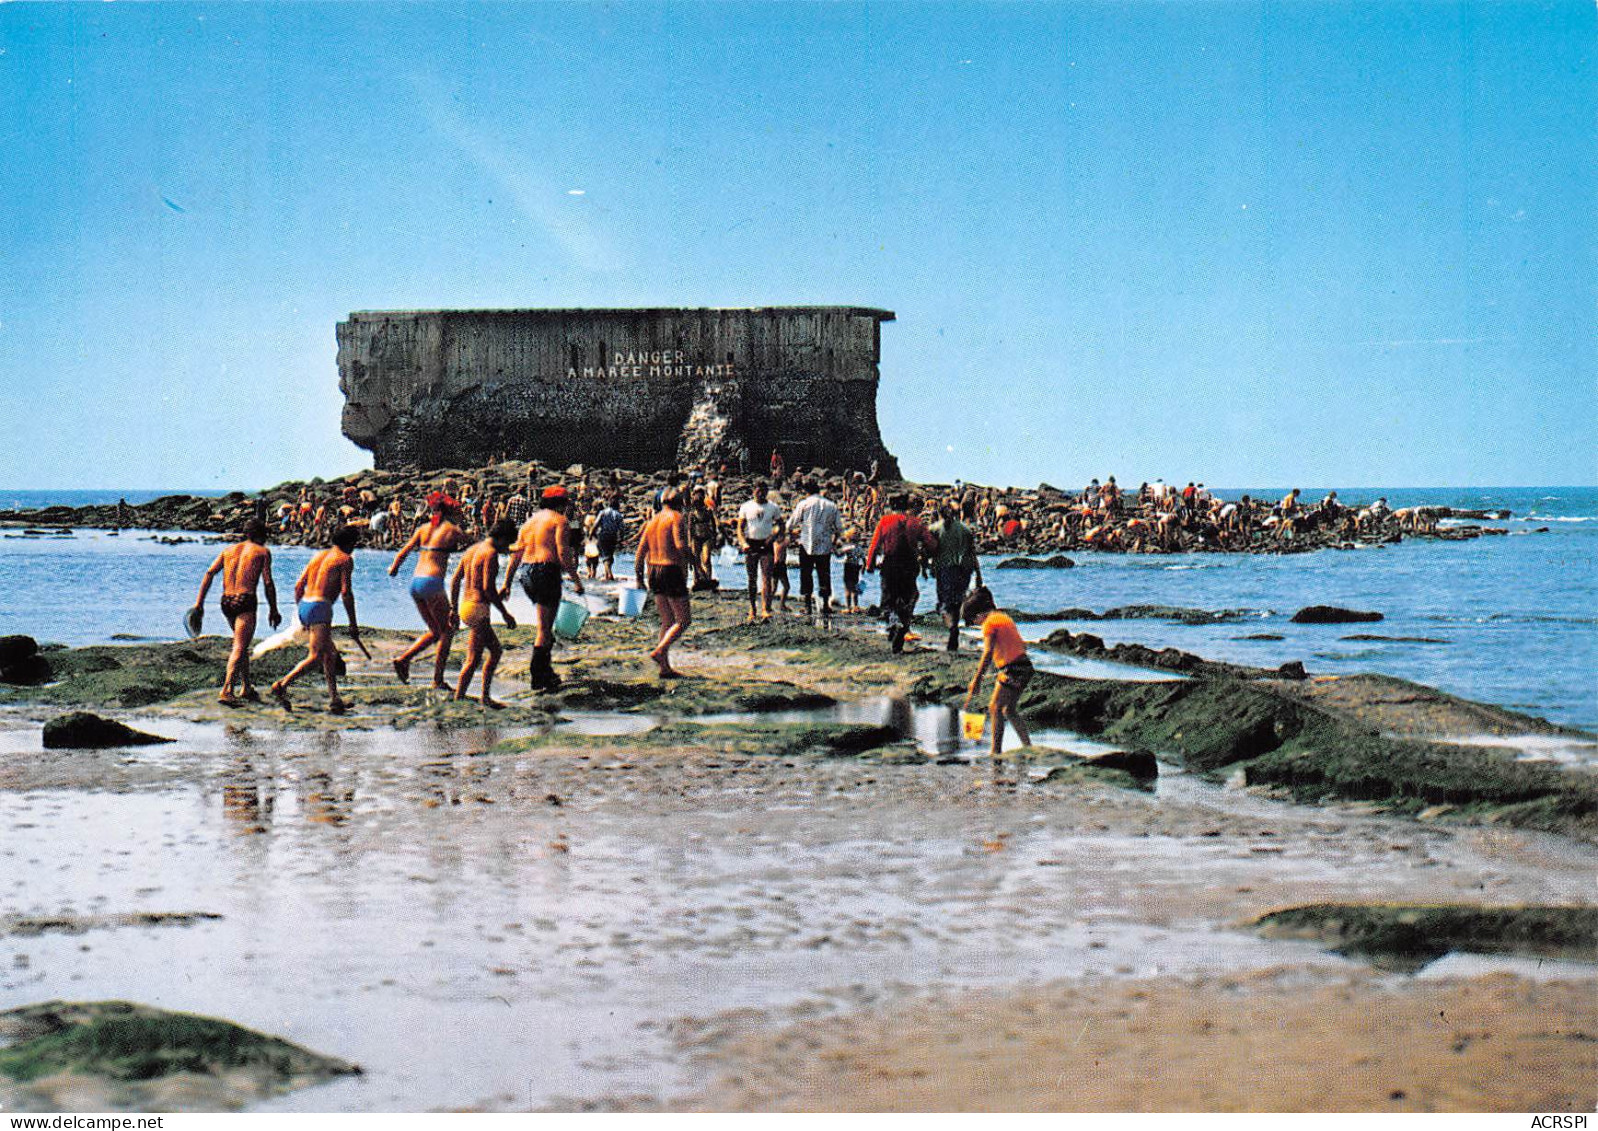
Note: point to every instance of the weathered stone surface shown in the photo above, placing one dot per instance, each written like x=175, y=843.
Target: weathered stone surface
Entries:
x=642, y=389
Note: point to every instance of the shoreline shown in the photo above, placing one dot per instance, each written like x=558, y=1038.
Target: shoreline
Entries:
x=1050, y=520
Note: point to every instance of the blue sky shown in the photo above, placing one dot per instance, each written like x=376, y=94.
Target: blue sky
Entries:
x=1245, y=243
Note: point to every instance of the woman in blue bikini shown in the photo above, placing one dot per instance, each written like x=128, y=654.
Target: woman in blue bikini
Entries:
x=434, y=543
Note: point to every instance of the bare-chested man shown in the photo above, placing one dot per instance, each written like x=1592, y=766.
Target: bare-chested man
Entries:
x=242, y=565
x=477, y=573
x=542, y=550
x=435, y=542
x=663, y=551
x=327, y=577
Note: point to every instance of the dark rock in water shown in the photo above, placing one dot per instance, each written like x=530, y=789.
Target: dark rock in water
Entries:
x=1331, y=614
x=14, y=648
x=1394, y=639
x=124, y=1046
x=1261, y=636
x=1293, y=669
x=1058, y=561
x=30, y=671
x=82, y=731
x=1139, y=763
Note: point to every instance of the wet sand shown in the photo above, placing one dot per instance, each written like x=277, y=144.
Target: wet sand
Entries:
x=581, y=921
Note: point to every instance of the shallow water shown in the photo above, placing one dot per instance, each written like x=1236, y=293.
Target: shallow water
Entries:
x=1515, y=614
x=506, y=930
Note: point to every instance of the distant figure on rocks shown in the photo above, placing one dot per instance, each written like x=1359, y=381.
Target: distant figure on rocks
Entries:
x=778, y=467
x=662, y=562
x=757, y=522
x=1002, y=647
x=897, y=549
x=853, y=558
x=702, y=538
x=818, y=527
x=953, y=566
x=327, y=577
x=434, y=543
x=242, y=566
x=608, y=530
x=545, y=547
x=478, y=574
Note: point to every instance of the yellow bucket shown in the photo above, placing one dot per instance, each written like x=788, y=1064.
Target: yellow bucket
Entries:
x=973, y=722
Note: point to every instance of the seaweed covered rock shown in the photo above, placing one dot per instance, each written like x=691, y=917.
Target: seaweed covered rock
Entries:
x=1407, y=936
x=81, y=730
x=125, y=1051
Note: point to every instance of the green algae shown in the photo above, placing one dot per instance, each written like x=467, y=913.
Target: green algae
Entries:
x=138, y=675
x=1407, y=936
x=123, y=1041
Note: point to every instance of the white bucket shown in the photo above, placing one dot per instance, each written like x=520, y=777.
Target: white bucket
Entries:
x=630, y=600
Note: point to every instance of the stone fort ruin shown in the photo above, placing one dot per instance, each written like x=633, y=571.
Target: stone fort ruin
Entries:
x=641, y=389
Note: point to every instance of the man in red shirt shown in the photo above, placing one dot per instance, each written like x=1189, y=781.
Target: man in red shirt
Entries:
x=898, y=547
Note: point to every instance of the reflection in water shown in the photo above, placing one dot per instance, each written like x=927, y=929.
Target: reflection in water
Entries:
x=248, y=796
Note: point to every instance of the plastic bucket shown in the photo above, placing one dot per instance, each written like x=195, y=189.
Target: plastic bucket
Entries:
x=630, y=601
x=570, y=619
x=972, y=723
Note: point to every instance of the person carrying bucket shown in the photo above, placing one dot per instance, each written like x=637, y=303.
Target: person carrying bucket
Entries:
x=663, y=550
x=1002, y=647
x=542, y=550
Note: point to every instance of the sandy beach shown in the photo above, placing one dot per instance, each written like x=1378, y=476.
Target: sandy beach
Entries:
x=656, y=898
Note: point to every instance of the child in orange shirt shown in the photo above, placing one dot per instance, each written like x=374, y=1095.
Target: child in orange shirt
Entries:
x=1003, y=647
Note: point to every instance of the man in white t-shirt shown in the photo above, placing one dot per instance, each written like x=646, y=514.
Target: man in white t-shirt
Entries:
x=818, y=526
x=757, y=522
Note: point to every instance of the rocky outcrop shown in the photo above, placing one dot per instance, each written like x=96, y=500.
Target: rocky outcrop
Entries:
x=81, y=730
x=21, y=662
x=1331, y=614
x=638, y=389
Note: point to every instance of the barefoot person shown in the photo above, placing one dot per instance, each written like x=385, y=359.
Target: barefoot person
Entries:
x=1002, y=647
x=542, y=550
x=478, y=572
x=242, y=566
x=434, y=543
x=953, y=567
x=898, y=547
x=664, y=553
x=757, y=522
x=327, y=577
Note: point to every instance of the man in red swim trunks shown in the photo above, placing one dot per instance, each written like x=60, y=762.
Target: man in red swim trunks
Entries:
x=242, y=566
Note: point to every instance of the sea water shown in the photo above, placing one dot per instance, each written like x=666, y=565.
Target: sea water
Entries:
x=1509, y=620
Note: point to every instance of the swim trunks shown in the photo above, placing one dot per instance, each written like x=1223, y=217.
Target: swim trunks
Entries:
x=474, y=613
x=541, y=582
x=1015, y=675
x=316, y=612
x=424, y=587
x=235, y=605
x=606, y=545
x=668, y=581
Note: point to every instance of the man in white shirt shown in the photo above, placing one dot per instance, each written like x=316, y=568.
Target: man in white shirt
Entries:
x=757, y=522
x=818, y=526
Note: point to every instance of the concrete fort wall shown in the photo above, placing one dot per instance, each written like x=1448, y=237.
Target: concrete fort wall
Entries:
x=643, y=389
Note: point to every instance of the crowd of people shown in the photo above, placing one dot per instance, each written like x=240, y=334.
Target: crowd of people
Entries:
x=674, y=556
x=690, y=523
